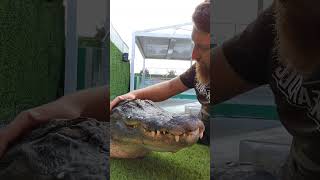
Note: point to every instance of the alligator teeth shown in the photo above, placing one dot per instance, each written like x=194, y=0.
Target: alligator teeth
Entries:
x=158, y=133
x=184, y=134
x=201, y=135
x=144, y=130
x=177, y=138
x=153, y=133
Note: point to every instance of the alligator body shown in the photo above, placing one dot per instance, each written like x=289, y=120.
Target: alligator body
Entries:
x=140, y=126
x=75, y=149
x=62, y=149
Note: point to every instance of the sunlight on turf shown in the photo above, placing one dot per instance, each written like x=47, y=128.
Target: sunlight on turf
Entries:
x=189, y=163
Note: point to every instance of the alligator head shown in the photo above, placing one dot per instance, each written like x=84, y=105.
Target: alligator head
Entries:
x=139, y=126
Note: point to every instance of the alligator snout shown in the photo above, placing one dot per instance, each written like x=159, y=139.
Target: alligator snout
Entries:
x=185, y=125
x=182, y=127
x=142, y=125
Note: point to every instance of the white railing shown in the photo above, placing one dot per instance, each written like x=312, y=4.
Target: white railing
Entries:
x=117, y=40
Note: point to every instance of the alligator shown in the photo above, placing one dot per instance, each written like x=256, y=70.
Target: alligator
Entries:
x=79, y=148
x=140, y=126
x=65, y=149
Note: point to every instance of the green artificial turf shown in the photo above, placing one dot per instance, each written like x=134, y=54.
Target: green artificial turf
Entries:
x=189, y=163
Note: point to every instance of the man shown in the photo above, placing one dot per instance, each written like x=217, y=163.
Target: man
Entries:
x=280, y=48
x=196, y=77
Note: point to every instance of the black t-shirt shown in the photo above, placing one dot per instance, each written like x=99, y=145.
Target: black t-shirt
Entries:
x=189, y=79
x=252, y=55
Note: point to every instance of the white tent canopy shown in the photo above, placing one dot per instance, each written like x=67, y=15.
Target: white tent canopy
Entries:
x=170, y=43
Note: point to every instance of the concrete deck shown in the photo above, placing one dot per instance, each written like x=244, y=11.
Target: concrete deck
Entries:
x=262, y=142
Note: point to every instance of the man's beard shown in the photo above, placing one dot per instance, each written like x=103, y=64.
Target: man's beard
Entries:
x=298, y=34
x=202, y=73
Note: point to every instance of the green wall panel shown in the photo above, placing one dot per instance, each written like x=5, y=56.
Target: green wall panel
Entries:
x=31, y=54
x=119, y=73
x=267, y=112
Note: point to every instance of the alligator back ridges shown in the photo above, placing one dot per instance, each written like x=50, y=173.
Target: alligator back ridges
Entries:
x=62, y=149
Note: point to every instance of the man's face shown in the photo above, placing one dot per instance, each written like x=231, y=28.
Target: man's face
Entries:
x=201, y=54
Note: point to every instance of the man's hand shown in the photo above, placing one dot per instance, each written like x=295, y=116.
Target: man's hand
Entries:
x=29, y=119
x=118, y=99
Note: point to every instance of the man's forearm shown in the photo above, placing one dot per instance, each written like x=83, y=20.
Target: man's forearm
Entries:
x=93, y=102
x=161, y=91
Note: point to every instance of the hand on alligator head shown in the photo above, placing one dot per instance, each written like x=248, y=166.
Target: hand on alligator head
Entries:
x=139, y=126
x=121, y=98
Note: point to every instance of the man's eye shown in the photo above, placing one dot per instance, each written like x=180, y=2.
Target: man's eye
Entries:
x=203, y=47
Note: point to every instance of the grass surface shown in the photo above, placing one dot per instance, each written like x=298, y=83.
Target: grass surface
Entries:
x=189, y=163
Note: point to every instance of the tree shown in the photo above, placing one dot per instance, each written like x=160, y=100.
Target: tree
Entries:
x=100, y=33
x=171, y=74
x=146, y=72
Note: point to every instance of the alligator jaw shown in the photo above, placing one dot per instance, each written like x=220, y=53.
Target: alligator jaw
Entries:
x=154, y=140
x=120, y=150
x=170, y=141
x=141, y=139
x=160, y=134
x=139, y=126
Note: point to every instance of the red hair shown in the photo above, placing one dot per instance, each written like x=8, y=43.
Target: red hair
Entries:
x=201, y=17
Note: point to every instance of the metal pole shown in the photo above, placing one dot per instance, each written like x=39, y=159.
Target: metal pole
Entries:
x=105, y=53
x=143, y=73
x=106, y=69
x=260, y=7
x=71, y=58
x=132, y=62
x=105, y=63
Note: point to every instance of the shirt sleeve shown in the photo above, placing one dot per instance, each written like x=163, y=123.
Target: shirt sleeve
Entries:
x=250, y=52
x=188, y=77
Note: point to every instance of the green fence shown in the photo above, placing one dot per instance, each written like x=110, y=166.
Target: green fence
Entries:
x=90, y=66
x=119, y=73
x=267, y=112
x=31, y=54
